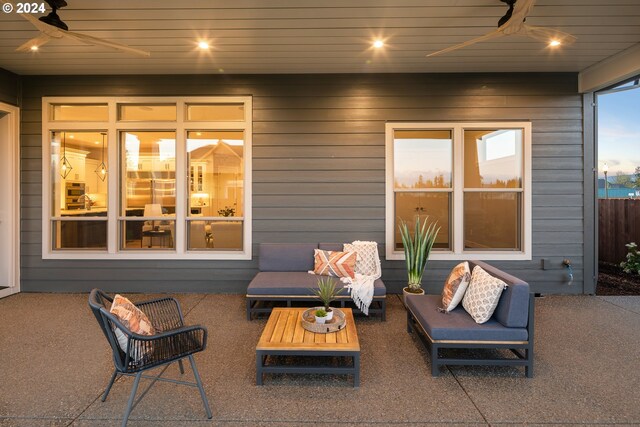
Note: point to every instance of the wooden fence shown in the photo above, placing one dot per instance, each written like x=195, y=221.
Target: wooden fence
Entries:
x=618, y=224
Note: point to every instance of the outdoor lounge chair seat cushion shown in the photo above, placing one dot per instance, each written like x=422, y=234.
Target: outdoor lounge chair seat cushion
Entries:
x=457, y=324
x=296, y=283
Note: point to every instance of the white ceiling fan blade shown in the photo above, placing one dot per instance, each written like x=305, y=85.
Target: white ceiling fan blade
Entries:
x=35, y=42
x=492, y=35
x=100, y=42
x=546, y=34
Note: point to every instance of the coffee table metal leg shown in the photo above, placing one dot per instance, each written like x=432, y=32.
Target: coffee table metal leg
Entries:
x=356, y=368
x=259, y=365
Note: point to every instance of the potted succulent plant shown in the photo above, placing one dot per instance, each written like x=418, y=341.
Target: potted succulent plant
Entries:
x=321, y=316
x=327, y=292
x=417, y=248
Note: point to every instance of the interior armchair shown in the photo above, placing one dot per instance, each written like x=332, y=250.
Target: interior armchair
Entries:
x=172, y=343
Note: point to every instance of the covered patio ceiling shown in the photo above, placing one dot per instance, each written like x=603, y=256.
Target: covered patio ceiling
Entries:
x=331, y=36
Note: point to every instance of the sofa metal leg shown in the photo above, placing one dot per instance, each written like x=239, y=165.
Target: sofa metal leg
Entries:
x=528, y=369
x=383, y=304
x=249, y=303
x=435, y=366
x=409, y=325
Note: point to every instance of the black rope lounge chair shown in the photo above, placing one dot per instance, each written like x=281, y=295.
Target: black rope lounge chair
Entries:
x=172, y=343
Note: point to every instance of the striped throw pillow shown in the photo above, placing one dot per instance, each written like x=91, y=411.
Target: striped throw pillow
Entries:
x=336, y=264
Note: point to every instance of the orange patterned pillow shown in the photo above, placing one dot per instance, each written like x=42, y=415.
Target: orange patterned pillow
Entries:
x=336, y=264
x=133, y=319
x=455, y=286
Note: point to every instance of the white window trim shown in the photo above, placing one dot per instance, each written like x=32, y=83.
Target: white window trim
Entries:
x=181, y=127
x=458, y=192
x=10, y=134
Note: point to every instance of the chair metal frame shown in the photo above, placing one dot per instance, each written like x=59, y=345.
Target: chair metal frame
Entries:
x=173, y=343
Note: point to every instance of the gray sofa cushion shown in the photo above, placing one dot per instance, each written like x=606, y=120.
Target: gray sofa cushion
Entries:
x=458, y=325
x=513, y=307
x=295, y=283
x=286, y=256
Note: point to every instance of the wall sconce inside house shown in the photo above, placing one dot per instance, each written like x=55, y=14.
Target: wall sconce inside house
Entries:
x=101, y=170
x=567, y=265
x=65, y=166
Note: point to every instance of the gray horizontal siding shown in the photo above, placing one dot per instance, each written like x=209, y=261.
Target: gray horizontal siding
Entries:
x=9, y=87
x=318, y=168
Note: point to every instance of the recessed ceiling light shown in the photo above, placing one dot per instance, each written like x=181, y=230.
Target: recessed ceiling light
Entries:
x=199, y=133
x=378, y=44
x=203, y=45
x=34, y=48
x=96, y=142
x=555, y=43
x=71, y=136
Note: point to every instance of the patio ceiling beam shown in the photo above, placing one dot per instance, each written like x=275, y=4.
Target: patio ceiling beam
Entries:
x=614, y=69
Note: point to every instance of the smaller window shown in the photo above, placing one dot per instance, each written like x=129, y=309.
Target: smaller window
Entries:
x=146, y=113
x=79, y=112
x=472, y=179
x=215, y=112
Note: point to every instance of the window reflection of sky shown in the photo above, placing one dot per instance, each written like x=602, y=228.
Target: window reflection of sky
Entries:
x=499, y=157
x=426, y=158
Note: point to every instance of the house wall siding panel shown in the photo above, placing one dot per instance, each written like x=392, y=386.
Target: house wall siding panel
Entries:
x=9, y=87
x=318, y=168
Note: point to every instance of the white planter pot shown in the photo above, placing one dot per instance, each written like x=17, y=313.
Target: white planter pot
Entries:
x=405, y=293
x=329, y=315
x=321, y=320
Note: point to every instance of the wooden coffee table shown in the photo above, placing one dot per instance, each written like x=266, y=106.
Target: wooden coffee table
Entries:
x=284, y=335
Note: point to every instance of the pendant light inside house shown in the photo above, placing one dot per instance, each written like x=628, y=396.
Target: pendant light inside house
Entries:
x=65, y=166
x=101, y=170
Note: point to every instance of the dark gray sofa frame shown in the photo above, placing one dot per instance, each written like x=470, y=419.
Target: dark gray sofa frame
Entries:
x=255, y=306
x=523, y=350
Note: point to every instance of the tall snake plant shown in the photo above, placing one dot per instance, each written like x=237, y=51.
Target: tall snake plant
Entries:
x=417, y=248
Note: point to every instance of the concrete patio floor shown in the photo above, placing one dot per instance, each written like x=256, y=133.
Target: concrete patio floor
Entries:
x=55, y=363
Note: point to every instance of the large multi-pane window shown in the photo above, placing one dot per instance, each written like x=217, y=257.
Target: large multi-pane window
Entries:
x=147, y=177
x=472, y=179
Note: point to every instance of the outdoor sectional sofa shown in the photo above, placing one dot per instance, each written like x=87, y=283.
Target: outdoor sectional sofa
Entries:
x=510, y=327
x=284, y=278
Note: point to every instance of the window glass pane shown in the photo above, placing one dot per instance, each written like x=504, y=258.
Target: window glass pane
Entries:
x=422, y=159
x=80, y=112
x=79, y=234
x=216, y=173
x=492, y=221
x=157, y=233
x=436, y=206
x=215, y=112
x=215, y=235
x=149, y=165
x=79, y=170
x=493, y=158
x=147, y=113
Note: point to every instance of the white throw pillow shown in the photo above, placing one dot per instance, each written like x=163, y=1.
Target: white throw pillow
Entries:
x=367, y=259
x=483, y=294
x=455, y=286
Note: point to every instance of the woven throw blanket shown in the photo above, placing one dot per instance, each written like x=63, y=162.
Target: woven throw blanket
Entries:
x=367, y=271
